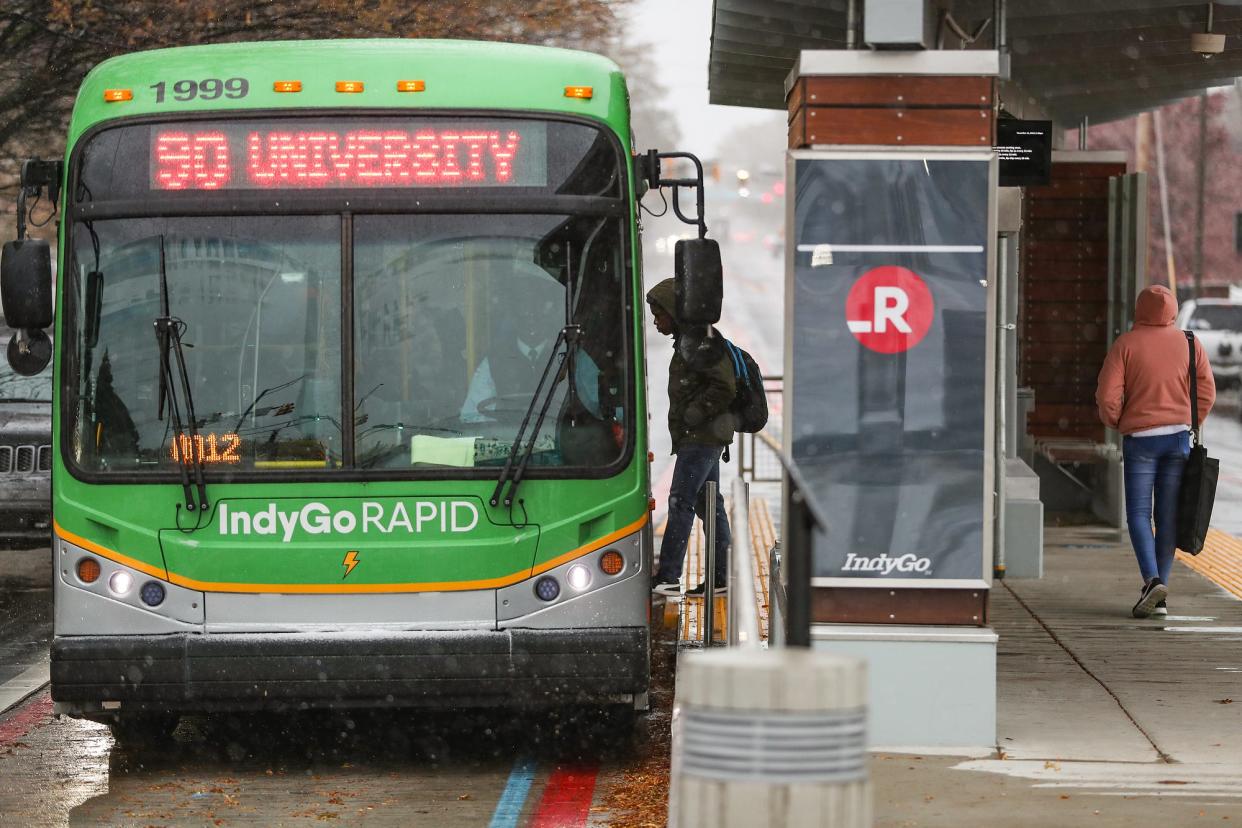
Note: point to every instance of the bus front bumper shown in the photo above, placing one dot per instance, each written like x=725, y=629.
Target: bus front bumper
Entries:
x=97, y=676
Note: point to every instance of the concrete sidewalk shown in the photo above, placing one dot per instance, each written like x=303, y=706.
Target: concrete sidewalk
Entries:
x=1103, y=719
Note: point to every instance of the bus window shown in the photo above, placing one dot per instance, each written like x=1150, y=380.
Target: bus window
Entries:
x=455, y=318
x=259, y=297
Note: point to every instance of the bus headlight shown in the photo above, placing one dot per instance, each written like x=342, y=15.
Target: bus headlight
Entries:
x=120, y=582
x=579, y=577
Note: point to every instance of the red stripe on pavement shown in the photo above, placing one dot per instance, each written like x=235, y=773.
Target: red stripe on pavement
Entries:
x=26, y=718
x=566, y=800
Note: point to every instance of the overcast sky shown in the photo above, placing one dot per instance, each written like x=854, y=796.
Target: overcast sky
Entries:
x=680, y=32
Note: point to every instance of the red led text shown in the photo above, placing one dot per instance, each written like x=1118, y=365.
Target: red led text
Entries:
x=324, y=158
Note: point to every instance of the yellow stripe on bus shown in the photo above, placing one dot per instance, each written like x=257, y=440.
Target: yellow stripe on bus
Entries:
x=431, y=586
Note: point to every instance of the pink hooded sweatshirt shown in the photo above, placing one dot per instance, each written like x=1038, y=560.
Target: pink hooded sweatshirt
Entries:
x=1145, y=380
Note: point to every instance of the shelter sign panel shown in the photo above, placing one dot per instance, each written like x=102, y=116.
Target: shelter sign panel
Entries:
x=889, y=350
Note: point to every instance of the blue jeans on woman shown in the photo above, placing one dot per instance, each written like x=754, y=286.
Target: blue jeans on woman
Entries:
x=696, y=465
x=1154, y=465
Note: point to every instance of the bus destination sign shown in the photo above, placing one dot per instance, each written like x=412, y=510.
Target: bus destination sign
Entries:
x=359, y=154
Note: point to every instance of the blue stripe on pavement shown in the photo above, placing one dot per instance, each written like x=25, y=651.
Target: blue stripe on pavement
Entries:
x=509, y=808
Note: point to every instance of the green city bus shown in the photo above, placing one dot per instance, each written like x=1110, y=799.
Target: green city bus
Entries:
x=349, y=382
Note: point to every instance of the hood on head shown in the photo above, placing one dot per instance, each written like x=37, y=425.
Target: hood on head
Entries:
x=664, y=297
x=1155, y=306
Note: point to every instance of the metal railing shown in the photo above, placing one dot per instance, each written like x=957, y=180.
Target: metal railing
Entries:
x=756, y=453
x=801, y=517
x=743, y=615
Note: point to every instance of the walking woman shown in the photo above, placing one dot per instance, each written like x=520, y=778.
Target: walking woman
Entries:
x=1144, y=392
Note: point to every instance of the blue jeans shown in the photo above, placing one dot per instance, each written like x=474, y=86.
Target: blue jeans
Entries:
x=1154, y=464
x=696, y=465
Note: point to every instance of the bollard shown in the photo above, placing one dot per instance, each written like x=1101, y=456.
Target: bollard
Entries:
x=770, y=738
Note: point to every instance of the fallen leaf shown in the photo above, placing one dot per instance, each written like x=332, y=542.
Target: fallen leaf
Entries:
x=1172, y=782
x=1065, y=796
x=1224, y=701
x=464, y=797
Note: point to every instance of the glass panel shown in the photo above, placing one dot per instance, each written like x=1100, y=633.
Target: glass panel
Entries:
x=260, y=301
x=889, y=347
x=455, y=319
x=338, y=152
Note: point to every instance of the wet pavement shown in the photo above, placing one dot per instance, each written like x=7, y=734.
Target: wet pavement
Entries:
x=466, y=768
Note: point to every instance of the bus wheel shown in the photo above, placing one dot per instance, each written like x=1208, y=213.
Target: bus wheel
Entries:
x=144, y=729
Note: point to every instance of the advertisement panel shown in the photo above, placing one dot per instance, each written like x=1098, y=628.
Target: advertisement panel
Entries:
x=889, y=369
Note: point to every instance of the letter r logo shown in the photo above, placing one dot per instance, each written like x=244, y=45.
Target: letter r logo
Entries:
x=889, y=309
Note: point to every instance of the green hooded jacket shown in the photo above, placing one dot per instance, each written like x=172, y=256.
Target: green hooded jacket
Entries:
x=700, y=392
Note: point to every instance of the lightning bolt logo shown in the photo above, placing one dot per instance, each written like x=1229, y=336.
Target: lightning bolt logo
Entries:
x=351, y=560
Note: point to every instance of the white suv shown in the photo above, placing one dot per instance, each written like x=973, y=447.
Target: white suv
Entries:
x=1218, y=325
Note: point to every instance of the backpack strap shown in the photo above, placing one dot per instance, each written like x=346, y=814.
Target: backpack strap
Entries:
x=739, y=365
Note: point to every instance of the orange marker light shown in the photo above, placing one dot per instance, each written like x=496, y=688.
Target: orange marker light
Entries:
x=117, y=95
x=88, y=570
x=287, y=86
x=611, y=562
x=411, y=86
x=584, y=92
x=349, y=86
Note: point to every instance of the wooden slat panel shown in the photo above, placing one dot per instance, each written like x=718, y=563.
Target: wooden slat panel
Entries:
x=1062, y=250
x=1051, y=375
x=899, y=91
x=1066, y=312
x=1074, y=208
x=1080, y=332
x=1064, y=306
x=797, y=97
x=899, y=127
x=1066, y=229
x=1088, y=170
x=867, y=605
x=1076, y=188
x=797, y=130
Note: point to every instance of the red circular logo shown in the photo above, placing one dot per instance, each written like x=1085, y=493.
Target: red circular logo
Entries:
x=889, y=309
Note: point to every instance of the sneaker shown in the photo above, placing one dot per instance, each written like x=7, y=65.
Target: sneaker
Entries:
x=1153, y=593
x=660, y=586
x=723, y=589
x=1160, y=610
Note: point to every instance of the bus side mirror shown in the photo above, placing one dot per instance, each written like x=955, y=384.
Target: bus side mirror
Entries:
x=26, y=284
x=26, y=297
x=29, y=352
x=699, y=281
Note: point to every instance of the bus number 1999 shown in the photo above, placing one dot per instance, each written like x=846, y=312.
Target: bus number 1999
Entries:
x=207, y=90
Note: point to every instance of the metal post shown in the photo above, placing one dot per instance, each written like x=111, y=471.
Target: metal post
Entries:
x=1002, y=315
x=1083, y=126
x=709, y=576
x=797, y=557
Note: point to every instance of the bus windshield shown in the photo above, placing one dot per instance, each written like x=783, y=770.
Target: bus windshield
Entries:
x=385, y=343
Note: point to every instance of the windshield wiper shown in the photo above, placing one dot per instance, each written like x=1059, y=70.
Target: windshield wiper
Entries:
x=168, y=331
x=570, y=334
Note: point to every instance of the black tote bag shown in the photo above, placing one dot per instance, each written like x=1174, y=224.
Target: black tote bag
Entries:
x=1198, y=492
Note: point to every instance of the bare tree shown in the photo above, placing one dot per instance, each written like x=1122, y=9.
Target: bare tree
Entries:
x=47, y=46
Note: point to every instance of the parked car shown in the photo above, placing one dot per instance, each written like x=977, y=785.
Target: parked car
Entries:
x=25, y=452
x=1218, y=325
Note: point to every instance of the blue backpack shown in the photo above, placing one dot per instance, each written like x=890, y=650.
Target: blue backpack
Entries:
x=750, y=401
